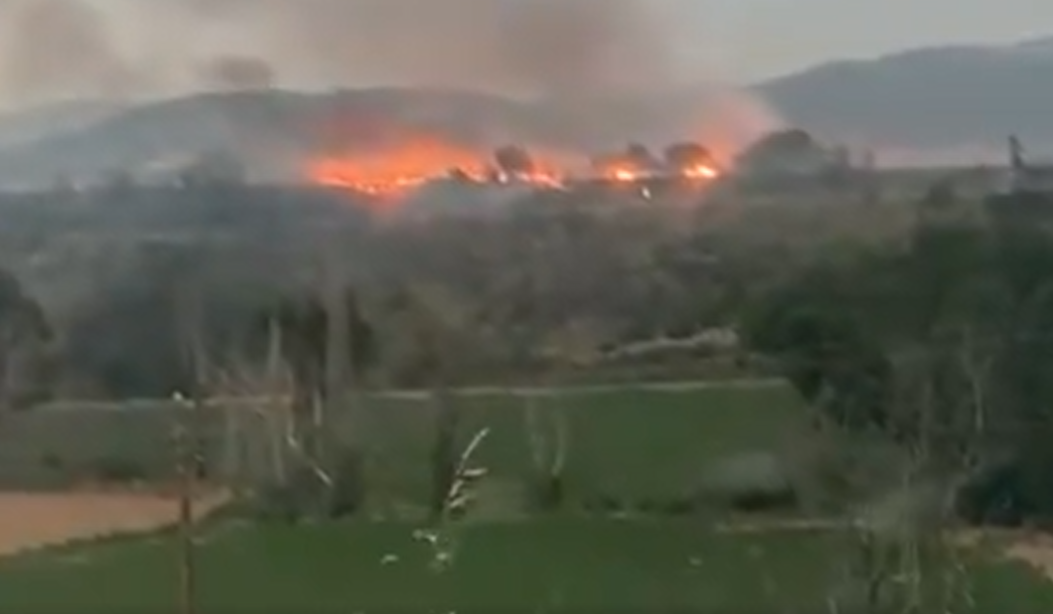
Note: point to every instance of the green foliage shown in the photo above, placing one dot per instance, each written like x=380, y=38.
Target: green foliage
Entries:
x=825, y=352
x=303, y=322
x=304, y=495
x=301, y=496
x=444, y=455
x=24, y=334
x=749, y=483
x=348, y=492
x=945, y=344
x=629, y=443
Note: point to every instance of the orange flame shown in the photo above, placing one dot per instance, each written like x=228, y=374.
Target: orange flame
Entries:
x=702, y=171
x=397, y=167
x=393, y=170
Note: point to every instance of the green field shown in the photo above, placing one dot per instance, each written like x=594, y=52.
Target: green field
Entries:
x=542, y=565
x=632, y=442
x=627, y=443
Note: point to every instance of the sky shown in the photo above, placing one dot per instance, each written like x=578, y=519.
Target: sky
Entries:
x=752, y=40
x=91, y=48
x=763, y=38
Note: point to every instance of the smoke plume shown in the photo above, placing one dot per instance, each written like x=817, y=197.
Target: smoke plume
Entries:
x=524, y=46
x=528, y=46
x=57, y=49
x=237, y=73
x=575, y=50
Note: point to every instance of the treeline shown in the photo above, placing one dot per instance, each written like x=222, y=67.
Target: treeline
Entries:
x=944, y=345
x=468, y=299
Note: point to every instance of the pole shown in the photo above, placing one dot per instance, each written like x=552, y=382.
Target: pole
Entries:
x=185, y=464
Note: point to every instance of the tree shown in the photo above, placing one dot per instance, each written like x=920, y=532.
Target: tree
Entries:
x=302, y=321
x=826, y=354
x=24, y=330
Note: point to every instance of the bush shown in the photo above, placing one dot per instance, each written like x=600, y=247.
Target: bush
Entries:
x=993, y=497
x=547, y=493
x=749, y=483
x=302, y=495
x=347, y=495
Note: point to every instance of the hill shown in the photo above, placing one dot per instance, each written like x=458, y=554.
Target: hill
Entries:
x=925, y=105
x=271, y=130
x=943, y=100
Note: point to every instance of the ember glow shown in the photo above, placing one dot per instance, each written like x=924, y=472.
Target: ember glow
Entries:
x=398, y=167
x=391, y=171
x=702, y=171
x=623, y=174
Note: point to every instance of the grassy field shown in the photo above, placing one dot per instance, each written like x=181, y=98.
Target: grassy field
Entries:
x=542, y=565
x=633, y=442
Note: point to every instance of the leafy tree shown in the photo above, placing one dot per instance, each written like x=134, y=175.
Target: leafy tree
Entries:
x=826, y=354
x=23, y=329
x=303, y=322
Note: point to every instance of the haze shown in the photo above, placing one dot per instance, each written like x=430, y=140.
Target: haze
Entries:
x=91, y=48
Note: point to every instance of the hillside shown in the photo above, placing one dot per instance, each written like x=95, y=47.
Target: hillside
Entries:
x=938, y=104
x=272, y=130
x=938, y=99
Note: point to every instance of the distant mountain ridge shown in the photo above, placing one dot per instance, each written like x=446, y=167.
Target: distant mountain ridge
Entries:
x=942, y=101
x=940, y=98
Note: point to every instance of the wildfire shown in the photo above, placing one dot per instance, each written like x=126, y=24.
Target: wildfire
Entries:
x=403, y=164
x=630, y=174
x=702, y=171
x=398, y=167
x=623, y=175
x=410, y=163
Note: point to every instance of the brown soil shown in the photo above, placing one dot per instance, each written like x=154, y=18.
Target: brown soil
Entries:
x=30, y=521
x=1036, y=550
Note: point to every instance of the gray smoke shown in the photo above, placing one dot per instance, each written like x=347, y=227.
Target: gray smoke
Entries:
x=576, y=50
x=237, y=73
x=89, y=47
x=530, y=46
x=57, y=49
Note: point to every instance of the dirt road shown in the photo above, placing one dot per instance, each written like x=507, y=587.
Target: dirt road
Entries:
x=30, y=521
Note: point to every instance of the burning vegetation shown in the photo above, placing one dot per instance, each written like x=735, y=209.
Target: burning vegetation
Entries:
x=400, y=166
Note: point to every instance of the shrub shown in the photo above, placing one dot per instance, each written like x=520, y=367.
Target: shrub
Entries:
x=348, y=493
x=750, y=483
x=547, y=493
x=302, y=495
x=444, y=455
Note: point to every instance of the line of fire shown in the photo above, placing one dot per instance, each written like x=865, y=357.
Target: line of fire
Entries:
x=398, y=169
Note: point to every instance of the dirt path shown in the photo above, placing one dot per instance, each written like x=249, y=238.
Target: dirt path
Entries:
x=1036, y=550
x=30, y=521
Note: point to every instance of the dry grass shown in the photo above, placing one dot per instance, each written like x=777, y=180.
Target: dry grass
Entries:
x=31, y=521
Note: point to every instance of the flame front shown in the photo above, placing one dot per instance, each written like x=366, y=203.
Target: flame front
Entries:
x=397, y=167
x=390, y=170
x=702, y=171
